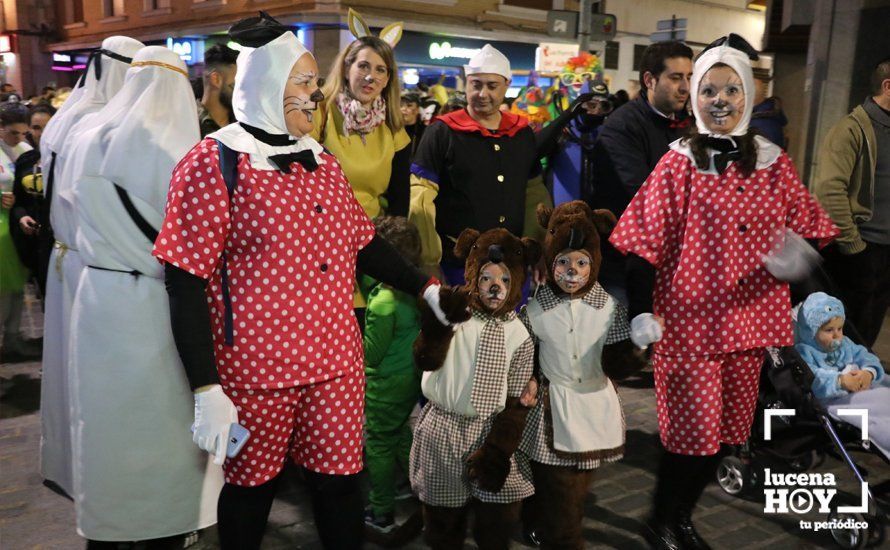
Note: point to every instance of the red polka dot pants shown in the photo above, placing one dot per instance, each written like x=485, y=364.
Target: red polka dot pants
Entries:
x=705, y=400
x=318, y=425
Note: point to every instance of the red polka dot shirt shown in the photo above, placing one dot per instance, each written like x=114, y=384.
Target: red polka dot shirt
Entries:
x=706, y=234
x=290, y=244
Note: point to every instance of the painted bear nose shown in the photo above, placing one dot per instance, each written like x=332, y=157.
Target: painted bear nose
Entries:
x=495, y=254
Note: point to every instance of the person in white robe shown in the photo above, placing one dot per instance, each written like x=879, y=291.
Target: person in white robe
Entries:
x=137, y=474
x=103, y=78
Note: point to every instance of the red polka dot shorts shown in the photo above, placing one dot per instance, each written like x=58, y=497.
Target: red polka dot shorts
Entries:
x=705, y=400
x=318, y=425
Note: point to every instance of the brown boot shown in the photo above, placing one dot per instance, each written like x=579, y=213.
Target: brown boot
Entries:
x=444, y=528
x=560, y=492
x=493, y=524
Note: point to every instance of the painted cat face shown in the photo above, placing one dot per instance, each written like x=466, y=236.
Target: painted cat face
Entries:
x=721, y=99
x=494, y=285
x=571, y=270
x=302, y=96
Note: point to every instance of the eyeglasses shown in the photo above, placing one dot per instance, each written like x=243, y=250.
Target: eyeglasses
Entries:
x=575, y=78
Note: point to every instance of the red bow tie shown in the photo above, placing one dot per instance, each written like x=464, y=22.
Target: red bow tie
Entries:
x=683, y=123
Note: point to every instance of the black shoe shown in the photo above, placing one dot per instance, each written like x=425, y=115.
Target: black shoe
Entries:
x=384, y=524
x=531, y=538
x=689, y=537
x=661, y=536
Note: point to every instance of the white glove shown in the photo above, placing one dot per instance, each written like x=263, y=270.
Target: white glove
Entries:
x=214, y=415
x=431, y=295
x=644, y=330
x=792, y=259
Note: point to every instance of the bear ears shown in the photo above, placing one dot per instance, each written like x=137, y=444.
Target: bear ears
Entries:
x=467, y=241
x=603, y=220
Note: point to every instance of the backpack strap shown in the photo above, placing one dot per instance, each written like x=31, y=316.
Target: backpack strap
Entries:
x=228, y=165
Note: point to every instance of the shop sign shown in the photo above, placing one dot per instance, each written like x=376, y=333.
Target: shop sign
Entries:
x=426, y=49
x=552, y=57
x=445, y=50
x=190, y=50
x=69, y=62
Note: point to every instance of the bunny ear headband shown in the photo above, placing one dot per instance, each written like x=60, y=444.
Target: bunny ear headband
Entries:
x=391, y=34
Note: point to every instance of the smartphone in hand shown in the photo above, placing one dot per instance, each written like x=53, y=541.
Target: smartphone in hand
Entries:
x=238, y=436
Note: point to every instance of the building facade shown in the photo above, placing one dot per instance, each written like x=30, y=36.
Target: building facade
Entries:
x=440, y=33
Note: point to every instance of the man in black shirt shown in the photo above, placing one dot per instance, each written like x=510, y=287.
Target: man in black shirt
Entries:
x=475, y=168
x=634, y=138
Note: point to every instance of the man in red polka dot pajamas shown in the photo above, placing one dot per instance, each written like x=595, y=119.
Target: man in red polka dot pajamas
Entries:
x=260, y=276
x=707, y=219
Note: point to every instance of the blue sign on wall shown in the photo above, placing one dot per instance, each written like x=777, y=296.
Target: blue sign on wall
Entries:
x=190, y=50
x=430, y=49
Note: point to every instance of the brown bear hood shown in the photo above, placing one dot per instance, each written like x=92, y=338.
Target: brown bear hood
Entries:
x=574, y=226
x=496, y=246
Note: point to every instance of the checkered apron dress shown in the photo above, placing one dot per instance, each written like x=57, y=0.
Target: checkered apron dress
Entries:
x=537, y=440
x=444, y=440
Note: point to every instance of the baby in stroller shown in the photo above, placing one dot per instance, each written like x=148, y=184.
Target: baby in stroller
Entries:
x=847, y=374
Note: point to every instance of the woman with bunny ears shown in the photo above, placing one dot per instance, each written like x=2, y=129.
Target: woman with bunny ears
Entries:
x=360, y=121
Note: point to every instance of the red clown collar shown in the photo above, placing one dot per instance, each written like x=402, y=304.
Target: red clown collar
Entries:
x=461, y=121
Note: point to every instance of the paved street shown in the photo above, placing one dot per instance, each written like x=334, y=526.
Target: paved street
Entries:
x=33, y=517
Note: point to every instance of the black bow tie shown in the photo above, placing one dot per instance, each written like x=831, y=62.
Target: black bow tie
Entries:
x=727, y=151
x=305, y=157
x=283, y=161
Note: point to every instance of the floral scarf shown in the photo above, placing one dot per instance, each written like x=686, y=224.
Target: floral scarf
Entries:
x=358, y=119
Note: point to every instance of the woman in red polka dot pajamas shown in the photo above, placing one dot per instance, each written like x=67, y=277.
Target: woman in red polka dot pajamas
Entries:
x=707, y=219
x=261, y=240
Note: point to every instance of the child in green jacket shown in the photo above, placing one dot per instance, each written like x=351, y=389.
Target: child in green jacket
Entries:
x=392, y=323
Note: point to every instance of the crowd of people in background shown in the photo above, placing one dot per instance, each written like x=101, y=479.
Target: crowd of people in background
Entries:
x=426, y=165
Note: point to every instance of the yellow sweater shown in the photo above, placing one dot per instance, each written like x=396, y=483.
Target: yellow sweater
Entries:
x=367, y=165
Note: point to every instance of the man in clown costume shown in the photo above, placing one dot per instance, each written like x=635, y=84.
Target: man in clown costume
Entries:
x=578, y=109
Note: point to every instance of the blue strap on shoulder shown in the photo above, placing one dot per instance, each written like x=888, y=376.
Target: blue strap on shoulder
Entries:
x=228, y=165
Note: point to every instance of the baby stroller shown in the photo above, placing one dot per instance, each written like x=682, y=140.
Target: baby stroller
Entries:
x=800, y=443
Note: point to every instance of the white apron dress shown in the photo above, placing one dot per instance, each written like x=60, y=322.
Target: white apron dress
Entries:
x=138, y=475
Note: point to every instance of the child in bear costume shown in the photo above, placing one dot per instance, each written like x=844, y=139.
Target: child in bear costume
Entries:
x=582, y=336
x=475, y=376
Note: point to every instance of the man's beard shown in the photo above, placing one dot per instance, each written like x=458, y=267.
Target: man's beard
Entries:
x=225, y=99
